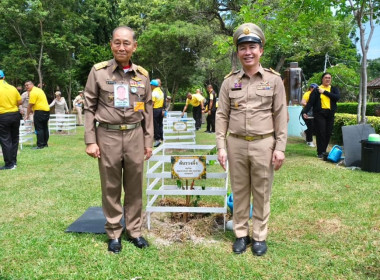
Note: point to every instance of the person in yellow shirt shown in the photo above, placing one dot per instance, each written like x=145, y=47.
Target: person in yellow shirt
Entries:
x=323, y=101
x=10, y=117
x=158, y=106
x=38, y=103
x=195, y=100
x=309, y=120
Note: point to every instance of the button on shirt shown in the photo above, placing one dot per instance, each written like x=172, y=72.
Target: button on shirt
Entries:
x=252, y=106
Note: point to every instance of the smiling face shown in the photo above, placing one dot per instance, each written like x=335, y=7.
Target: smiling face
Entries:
x=123, y=45
x=249, y=54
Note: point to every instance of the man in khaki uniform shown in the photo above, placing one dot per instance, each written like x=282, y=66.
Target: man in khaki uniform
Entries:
x=122, y=138
x=77, y=105
x=252, y=109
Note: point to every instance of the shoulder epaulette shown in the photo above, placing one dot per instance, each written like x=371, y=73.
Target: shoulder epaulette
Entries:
x=231, y=73
x=100, y=65
x=273, y=71
x=142, y=71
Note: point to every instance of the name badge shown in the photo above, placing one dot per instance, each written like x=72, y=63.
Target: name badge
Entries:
x=121, y=95
x=139, y=106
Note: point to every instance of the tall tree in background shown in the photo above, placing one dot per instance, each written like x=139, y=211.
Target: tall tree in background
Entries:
x=297, y=30
x=364, y=11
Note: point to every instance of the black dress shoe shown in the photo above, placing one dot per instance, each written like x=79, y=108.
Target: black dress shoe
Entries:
x=259, y=248
x=240, y=244
x=139, y=242
x=114, y=245
x=38, y=147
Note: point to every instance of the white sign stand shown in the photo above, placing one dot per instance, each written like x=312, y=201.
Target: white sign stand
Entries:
x=159, y=170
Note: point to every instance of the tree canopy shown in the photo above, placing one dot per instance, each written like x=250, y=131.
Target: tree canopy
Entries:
x=185, y=43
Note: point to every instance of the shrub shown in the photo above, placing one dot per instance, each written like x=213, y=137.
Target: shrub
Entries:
x=352, y=108
x=350, y=119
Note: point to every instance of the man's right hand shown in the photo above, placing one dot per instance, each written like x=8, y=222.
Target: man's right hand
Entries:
x=93, y=150
x=222, y=158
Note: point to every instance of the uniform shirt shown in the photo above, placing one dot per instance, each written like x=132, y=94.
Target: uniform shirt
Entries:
x=157, y=98
x=99, y=99
x=212, y=96
x=25, y=99
x=78, y=101
x=9, y=98
x=325, y=100
x=252, y=106
x=195, y=101
x=37, y=97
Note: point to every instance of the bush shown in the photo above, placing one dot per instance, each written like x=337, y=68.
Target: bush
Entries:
x=180, y=105
x=352, y=108
x=350, y=119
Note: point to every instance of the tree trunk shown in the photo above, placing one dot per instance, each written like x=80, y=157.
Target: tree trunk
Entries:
x=280, y=63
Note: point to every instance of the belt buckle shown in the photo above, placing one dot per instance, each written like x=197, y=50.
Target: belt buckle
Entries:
x=249, y=138
x=123, y=127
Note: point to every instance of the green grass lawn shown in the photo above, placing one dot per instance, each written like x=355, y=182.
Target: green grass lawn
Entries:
x=325, y=224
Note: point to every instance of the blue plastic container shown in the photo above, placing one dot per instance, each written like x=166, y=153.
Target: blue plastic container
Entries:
x=335, y=154
x=230, y=204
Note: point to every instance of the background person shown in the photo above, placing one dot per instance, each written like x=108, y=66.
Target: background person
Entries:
x=158, y=112
x=24, y=106
x=323, y=100
x=211, y=110
x=256, y=142
x=122, y=139
x=10, y=99
x=309, y=120
x=169, y=104
x=59, y=103
x=196, y=100
x=78, y=103
x=39, y=105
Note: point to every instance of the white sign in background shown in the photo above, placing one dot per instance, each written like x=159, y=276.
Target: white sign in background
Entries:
x=179, y=126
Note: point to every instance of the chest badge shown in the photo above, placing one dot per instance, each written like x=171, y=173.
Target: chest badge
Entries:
x=237, y=85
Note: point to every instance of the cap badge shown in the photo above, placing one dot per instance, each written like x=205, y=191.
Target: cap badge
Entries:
x=246, y=31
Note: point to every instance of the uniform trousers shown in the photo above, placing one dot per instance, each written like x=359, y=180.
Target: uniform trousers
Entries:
x=251, y=173
x=197, y=115
x=121, y=165
x=211, y=121
x=324, y=123
x=41, y=119
x=9, y=137
x=158, y=120
x=79, y=112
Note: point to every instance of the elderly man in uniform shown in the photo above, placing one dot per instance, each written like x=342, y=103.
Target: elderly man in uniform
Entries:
x=10, y=99
x=252, y=110
x=123, y=137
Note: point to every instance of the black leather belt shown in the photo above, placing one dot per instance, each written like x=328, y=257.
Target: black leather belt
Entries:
x=252, y=138
x=120, y=126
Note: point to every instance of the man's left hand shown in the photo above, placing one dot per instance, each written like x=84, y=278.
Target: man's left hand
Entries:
x=278, y=159
x=147, y=153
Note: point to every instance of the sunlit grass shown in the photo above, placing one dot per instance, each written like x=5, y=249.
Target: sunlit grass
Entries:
x=325, y=224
